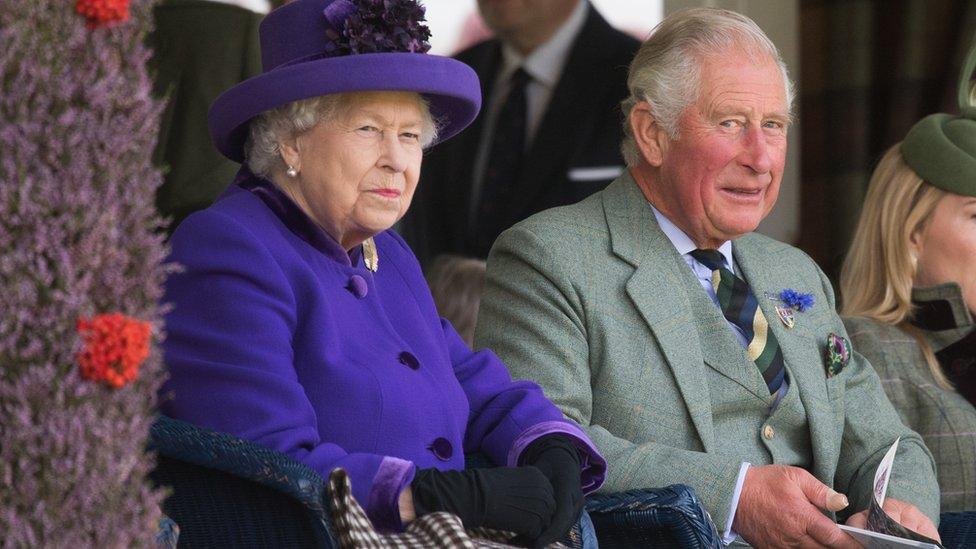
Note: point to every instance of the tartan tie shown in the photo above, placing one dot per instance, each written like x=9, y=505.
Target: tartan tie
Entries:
x=741, y=308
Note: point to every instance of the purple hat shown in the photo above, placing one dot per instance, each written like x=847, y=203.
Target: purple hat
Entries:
x=318, y=47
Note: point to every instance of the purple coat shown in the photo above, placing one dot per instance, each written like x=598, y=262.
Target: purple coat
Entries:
x=279, y=336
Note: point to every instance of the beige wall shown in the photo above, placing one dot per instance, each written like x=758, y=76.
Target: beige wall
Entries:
x=779, y=19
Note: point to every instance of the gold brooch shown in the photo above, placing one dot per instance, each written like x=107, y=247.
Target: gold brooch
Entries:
x=370, y=257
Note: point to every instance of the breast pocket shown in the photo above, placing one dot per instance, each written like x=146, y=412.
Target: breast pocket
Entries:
x=837, y=386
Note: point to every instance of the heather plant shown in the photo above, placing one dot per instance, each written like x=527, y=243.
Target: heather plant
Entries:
x=79, y=242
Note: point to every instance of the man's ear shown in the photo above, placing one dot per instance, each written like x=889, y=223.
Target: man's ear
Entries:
x=652, y=140
x=288, y=148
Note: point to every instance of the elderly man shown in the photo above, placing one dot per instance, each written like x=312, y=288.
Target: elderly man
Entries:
x=692, y=349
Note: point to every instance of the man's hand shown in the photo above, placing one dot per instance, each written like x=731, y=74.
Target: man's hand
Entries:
x=903, y=513
x=779, y=506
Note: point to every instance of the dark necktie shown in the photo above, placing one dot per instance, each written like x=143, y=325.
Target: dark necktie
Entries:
x=505, y=157
x=741, y=308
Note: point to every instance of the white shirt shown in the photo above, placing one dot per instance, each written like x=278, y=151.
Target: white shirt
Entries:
x=544, y=65
x=685, y=246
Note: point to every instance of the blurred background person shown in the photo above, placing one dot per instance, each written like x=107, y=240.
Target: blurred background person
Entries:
x=548, y=133
x=909, y=290
x=202, y=47
x=456, y=283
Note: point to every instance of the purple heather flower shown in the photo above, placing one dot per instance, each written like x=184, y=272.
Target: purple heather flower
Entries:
x=79, y=236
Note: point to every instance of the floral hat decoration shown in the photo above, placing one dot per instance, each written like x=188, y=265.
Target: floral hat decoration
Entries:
x=319, y=47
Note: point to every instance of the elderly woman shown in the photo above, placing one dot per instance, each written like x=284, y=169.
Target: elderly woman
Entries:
x=302, y=322
x=909, y=290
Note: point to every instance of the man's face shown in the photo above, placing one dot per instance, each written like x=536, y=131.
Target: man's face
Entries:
x=721, y=177
x=507, y=17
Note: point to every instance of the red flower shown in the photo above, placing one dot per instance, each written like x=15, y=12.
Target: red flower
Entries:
x=102, y=12
x=114, y=347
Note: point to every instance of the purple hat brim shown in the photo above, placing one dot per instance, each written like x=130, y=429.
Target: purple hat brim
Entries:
x=451, y=87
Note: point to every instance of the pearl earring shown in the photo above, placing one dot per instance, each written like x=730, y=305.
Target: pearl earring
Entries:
x=291, y=171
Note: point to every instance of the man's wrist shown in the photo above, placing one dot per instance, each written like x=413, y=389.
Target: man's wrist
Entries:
x=729, y=535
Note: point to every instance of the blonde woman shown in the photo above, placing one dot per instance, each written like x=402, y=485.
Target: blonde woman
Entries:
x=909, y=292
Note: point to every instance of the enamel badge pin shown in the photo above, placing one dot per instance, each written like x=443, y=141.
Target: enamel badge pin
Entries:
x=786, y=315
x=791, y=302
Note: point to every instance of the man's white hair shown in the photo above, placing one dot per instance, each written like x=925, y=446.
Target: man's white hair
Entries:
x=666, y=72
x=270, y=128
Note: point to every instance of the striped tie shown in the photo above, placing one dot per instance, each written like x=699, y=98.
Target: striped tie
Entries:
x=741, y=308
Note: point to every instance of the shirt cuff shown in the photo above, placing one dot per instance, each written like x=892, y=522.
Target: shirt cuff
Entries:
x=730, y=535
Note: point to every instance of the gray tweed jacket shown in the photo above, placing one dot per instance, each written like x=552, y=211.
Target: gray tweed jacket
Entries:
x=594, y=303
x=945, y=418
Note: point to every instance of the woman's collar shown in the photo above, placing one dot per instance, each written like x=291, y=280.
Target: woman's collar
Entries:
x=940, y=308
x=295, y=219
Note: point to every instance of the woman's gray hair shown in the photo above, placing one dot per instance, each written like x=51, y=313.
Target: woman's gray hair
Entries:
x=666, y=72
x=270, y=128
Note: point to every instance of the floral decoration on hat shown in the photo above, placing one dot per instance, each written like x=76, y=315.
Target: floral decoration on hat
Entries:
x=374, y=26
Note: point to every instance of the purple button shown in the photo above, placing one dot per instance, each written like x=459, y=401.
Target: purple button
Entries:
x=357, y=285
x=442, y=448
x=407, y=359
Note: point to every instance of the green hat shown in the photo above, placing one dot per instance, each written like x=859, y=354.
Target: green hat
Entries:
x=941, y=148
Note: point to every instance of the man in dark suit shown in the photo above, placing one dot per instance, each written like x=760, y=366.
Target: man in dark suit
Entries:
x=548, y=133
x=202, y=47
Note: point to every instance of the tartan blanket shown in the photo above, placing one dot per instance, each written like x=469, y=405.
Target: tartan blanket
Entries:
x=442, y=529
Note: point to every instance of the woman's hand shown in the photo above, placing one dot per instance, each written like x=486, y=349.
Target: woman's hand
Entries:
x=556, y=456
x=515, y=499
x=405, y=502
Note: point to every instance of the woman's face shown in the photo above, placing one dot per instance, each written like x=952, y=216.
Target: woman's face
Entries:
x=357, y=172
x=946, y=247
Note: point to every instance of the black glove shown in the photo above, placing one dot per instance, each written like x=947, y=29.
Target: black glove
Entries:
x=558, y=459
x=515, y=499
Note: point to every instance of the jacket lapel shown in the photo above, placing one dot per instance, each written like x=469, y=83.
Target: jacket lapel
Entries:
x=720, y=349
x=663, y=267
x=801, y=355
x=636, y=238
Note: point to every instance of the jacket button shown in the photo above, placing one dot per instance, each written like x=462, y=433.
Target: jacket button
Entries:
x=407, y=359
x=442, y=448
x=357, y=285
x=769, y=432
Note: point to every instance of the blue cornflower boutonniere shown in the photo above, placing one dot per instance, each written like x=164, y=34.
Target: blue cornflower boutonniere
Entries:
x=798, y=301
x=791, y=302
